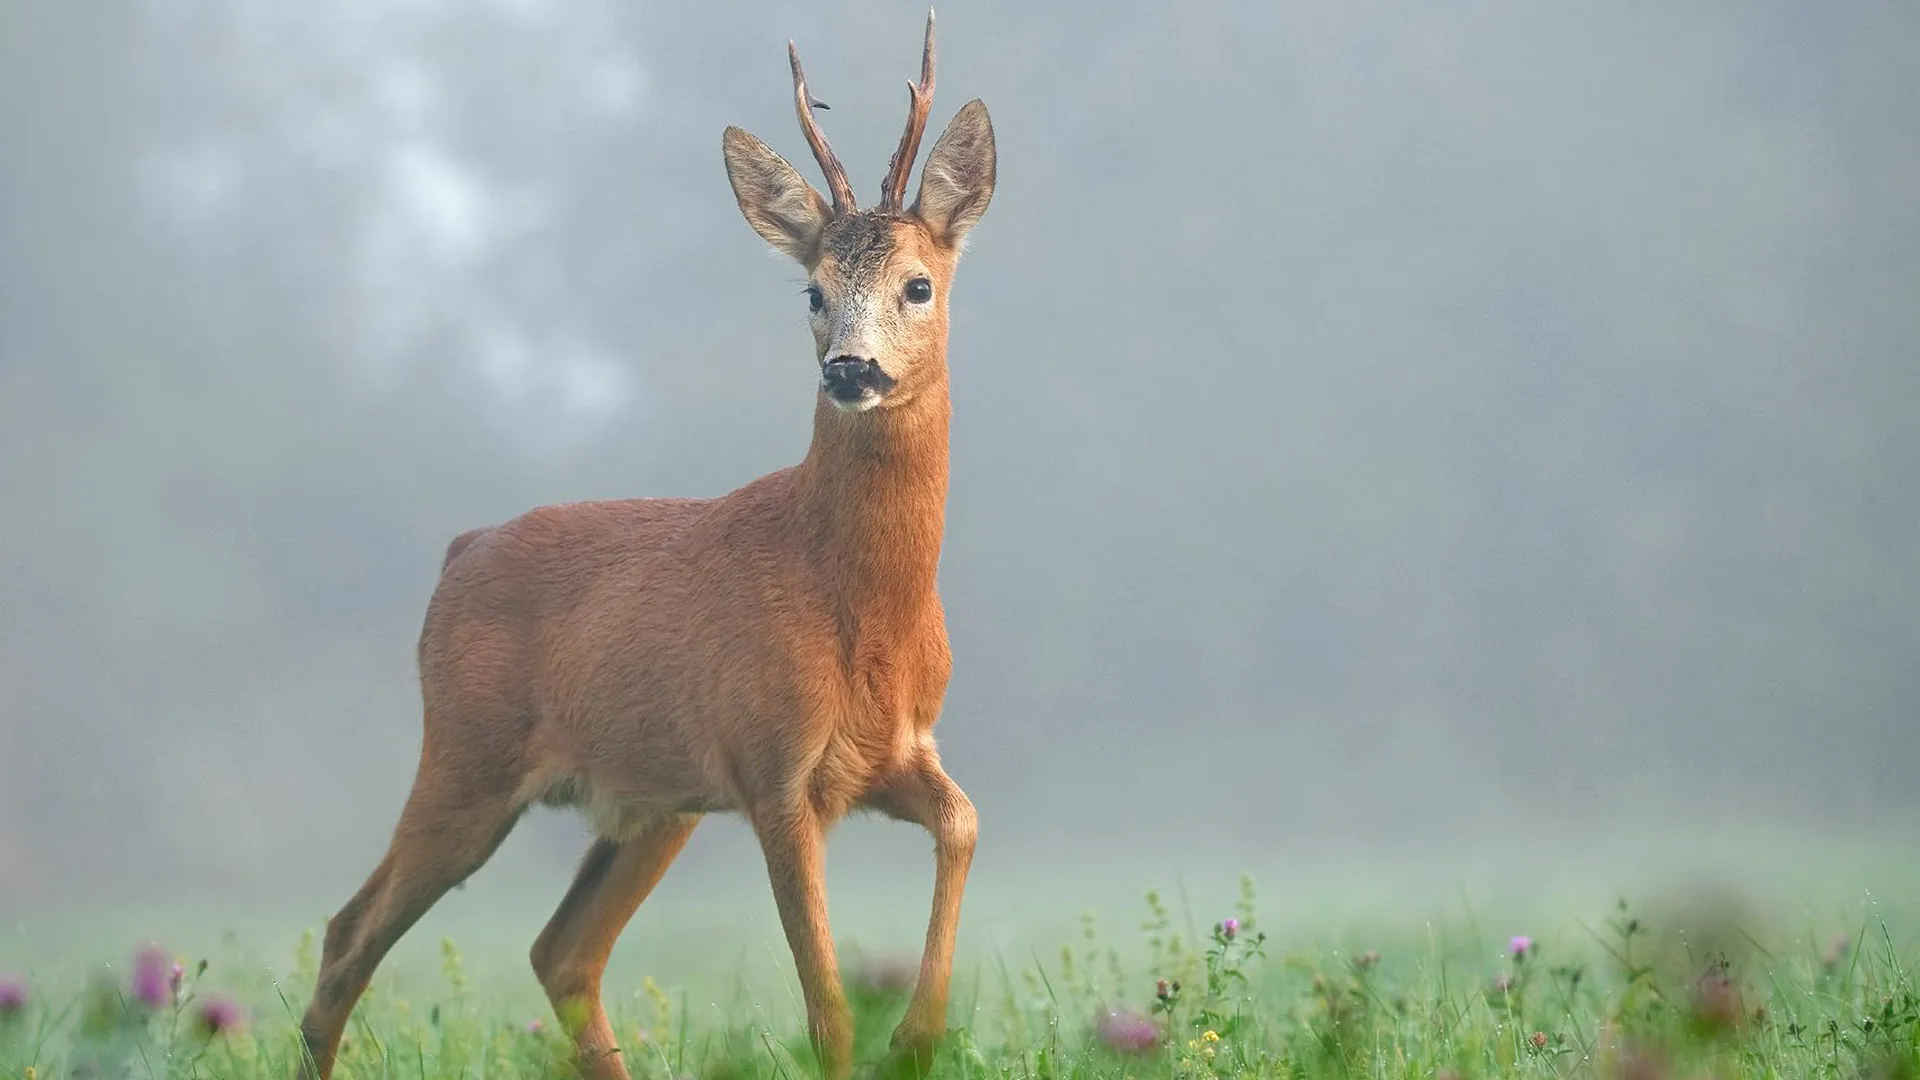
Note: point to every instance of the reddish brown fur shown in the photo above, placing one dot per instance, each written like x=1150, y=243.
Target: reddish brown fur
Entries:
x=779, y=652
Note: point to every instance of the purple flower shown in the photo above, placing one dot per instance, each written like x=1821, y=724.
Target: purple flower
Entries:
x=1126, y=1032
x=1229, y=927
x=1520, y=946
x=152, y=978
x=535, y=1026
x=218, y=1016
x=13, y=996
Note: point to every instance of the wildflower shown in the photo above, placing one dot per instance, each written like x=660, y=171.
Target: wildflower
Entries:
x=1520, y=946
x=176, y=978
x=1367, y=959
x=1229, y=927
x=152, y=985
x=535, y=1026
x=1539, y=1040
x=1163, y=989
x=1502, y=984
x=218, y=1016
x=1126, y=1032
x=13, y=997
x=1210, y=1035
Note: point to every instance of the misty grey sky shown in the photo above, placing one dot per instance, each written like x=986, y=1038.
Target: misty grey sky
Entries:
x=1377, y=425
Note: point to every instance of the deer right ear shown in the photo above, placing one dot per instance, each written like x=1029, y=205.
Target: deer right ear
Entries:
x=775, y=199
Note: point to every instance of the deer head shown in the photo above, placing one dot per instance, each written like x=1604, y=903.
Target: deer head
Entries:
x=877, y=280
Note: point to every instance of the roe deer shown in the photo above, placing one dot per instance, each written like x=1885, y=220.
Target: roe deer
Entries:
x=779, y=651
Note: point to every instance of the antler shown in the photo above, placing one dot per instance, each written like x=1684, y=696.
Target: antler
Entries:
x=920, y=102
x=804, y=104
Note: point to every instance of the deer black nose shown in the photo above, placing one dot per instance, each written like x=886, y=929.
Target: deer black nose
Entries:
x=849, y=378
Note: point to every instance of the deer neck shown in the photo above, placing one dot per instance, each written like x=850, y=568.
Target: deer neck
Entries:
x=873, y=502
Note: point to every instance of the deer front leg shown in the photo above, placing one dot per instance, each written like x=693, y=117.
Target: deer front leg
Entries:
x=924, y=794
x=794, y=842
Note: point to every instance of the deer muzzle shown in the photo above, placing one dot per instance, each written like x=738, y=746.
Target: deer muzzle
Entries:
x=854, y=381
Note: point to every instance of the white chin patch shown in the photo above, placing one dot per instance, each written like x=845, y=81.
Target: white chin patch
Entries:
x=866, y=401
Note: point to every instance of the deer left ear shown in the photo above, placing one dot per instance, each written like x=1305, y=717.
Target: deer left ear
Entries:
x=957, y=182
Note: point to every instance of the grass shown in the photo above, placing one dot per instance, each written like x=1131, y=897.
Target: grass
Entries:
x=1700, y=988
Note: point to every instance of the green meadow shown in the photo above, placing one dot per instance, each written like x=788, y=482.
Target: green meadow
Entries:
x=1749, y=957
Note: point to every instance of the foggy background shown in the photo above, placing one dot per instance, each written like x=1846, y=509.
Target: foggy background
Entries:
x=1379, y=428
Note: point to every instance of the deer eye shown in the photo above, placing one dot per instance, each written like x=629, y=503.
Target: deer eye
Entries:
x=919, y=291
x=816, y=300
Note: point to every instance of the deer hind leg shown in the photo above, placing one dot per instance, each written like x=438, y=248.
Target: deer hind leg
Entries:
x=794, y=842
x=923, y=793
x=447, y=830
x=571, y=953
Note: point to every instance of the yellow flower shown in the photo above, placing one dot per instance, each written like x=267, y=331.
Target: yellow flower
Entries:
x=1211, y=1036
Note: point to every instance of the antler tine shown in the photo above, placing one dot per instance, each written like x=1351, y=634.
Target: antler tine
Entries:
x=920, y=102
x=803, y=104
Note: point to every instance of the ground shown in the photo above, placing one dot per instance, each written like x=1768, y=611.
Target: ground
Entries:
x=1806, y=975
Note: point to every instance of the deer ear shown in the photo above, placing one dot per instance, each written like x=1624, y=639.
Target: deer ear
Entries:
x=775, y=199
x=957, y=182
